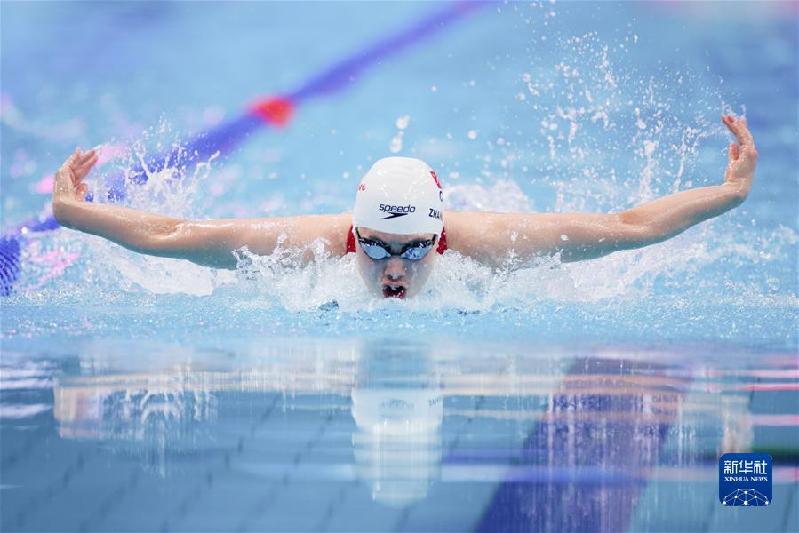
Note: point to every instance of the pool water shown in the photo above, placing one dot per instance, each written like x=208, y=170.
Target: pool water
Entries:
x=150, y=394
x=332, y=435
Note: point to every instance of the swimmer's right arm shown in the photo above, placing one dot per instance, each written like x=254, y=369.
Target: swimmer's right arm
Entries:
x=500, y=238
x=204, y=242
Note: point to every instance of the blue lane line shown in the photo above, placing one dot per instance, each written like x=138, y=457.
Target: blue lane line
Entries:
x=590, y=487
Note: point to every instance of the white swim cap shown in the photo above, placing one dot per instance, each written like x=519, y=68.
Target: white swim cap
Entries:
x=399, y=195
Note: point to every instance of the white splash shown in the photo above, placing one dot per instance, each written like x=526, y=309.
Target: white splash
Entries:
x=402, y=122
x=503, y=196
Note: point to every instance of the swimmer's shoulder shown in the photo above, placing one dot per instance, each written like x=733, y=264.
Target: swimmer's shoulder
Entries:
x=333, y=229
x=467, y=231
x=340, y=227
x=261, y=234
x=486, y=235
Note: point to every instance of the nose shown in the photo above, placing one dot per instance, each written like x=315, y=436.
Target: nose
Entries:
x=395, y=269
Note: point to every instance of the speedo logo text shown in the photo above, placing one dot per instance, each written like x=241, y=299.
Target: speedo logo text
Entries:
x=396, y=211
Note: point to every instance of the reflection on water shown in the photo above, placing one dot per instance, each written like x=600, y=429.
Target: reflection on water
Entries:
x=603, y=430
x=399, y=433
x=398, y=407
x=135, y=409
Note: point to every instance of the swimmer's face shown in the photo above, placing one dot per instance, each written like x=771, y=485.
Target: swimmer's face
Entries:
x=394, y=277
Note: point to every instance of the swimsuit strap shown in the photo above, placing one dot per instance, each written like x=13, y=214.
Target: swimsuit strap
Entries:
x=350, y=241
x=441, y=248
x=442, y=242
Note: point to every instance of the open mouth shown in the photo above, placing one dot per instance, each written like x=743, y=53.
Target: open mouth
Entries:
x=393, y=292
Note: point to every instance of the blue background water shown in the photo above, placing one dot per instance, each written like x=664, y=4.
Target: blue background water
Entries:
x=547, y=107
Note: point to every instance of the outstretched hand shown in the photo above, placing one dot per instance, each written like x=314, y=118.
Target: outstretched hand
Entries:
x=742, y=155
x=68, y=183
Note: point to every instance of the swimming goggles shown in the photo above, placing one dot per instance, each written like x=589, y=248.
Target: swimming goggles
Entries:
x=377, y=250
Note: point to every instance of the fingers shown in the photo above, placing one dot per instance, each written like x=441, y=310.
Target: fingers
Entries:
x=734, y=152
x=80, y=163
x=71, y=159
x=79, y=155
x=74, y=159
x=83, y=157
x=738, y=127
x=68, y=179
x=86, y=163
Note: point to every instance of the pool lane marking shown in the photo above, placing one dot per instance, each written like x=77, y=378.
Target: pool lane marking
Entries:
x=517, y=504
x=770, y=387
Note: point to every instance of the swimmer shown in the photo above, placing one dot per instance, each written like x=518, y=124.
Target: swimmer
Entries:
x=398, y=225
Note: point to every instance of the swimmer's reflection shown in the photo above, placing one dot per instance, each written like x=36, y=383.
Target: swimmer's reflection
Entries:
x=398, y=408
x=396, y=404
x=134, y=411
x=154, y=412
x=536, y=428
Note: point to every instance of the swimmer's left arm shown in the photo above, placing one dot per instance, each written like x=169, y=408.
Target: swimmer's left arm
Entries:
x=204, y=242
x=493, y=237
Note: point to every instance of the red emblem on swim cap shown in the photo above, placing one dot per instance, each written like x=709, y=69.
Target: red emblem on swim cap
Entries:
x=435, y=178
x=362, y=187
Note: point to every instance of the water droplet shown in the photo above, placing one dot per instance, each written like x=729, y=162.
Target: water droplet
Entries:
x=402, y=122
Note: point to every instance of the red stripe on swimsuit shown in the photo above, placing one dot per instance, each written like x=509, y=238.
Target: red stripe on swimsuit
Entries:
x=441, y=248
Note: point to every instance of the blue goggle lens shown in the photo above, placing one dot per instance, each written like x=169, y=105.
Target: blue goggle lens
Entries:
x=411, y=252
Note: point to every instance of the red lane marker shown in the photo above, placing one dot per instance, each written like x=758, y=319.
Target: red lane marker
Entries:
x=275, y=111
